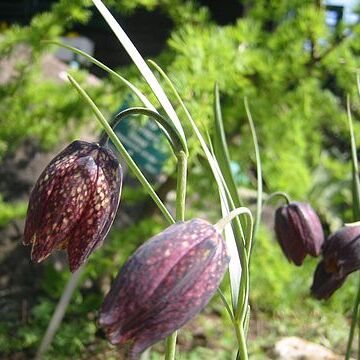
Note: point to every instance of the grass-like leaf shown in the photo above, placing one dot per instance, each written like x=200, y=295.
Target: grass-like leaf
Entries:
x=355, y=167
x=259, y=195
x=142, y=66
x=356, y=217
x=98, y=63
x=221, y=149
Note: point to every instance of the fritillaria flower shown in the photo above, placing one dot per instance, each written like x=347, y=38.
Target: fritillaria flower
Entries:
x=73, y=203
x=299, y=231
x=167, y=281
x=341, y=256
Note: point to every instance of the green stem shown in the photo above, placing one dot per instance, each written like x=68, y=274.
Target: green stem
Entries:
x=282, y=194
x=259, y=188
x=180, y=216
x=165, y=125
x=243, y=299
x=240, y=335
x=358, y=322
x=120, y=147
x=181, y=186
x=220, y=225
x=354, y=320
x=356, y=213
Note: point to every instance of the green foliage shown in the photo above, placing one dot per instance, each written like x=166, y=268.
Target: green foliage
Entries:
x=294, y=71
x=296, y=74
x=9, y=211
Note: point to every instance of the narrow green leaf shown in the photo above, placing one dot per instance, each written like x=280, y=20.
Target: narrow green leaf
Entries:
x=142, y=66
x=96, y=62
x=226, y=304
x=259, y=195
x=221, y=149
x=355, y=168
x=356, y=217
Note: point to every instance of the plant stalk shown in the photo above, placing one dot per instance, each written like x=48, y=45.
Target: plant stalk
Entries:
x=354, y=322
x=170, y=350
x=356, y=213
x=282, y=194
x=240, y=335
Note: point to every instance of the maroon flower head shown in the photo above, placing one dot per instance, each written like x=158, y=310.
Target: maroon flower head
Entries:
x=341, y=257
x=299, y=231
x=73, y=203
x=167, y=281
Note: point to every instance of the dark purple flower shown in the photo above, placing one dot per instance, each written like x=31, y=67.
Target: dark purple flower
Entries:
x=341, y=256
x=73, y=203
x=299, y=231
x=167, y=281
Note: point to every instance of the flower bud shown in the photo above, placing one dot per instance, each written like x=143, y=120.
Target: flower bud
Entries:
x=168, y=280
x=299, y=232
x=73, y=203
x=341, y=256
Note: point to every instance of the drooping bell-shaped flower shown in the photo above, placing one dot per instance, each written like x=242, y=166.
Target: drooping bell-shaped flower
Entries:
x=341, y=256
x=299, y=231
x=73, y=203
x=168, y=280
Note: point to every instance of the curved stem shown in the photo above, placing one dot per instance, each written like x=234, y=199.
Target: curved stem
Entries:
x=354, y=320
x=356, y=214
x=259, y=187
x=220, y=225
x=165, y=125
x=120, y=147
x=170, y=350
x=226, y=304
x=282, y=194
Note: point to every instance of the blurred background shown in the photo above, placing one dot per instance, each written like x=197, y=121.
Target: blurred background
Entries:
x=295, y=60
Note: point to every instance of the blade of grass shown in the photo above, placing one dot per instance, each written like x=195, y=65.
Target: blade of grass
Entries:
x=259, y=197
x=226, y=304
x=142, y=66
x=96, y=62
x=221, y=149
x=356, y=216
x=355, y=167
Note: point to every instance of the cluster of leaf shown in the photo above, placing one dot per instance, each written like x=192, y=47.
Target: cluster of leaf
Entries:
x=295, y=72
x=10, y=211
